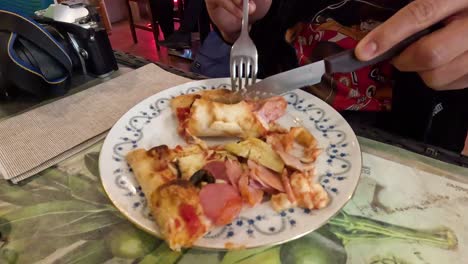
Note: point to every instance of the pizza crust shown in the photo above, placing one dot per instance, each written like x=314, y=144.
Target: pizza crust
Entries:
x=151, y=168
x=219, y=95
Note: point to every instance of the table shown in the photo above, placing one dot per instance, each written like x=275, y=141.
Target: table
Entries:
x=408, y=209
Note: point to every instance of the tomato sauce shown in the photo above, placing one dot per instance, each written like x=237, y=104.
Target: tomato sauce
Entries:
x=190, y=217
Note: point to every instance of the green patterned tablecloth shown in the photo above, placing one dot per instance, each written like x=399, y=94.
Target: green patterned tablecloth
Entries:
x=399, y=214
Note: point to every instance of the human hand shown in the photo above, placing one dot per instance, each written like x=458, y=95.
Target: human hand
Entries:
x=227, y=15
x=440, y=58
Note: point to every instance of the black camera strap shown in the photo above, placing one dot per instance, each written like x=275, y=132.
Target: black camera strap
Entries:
x=25, y=78
x=31, y=30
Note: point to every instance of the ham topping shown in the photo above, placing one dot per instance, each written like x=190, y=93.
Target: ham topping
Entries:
x=221, y=203
x=265, y=176
x=233, y=172
x=250, y=195
x=269, y=110
x=287, y=186
x=294, y=162
x=297, y=140
x=229, y=171
x=217, y=169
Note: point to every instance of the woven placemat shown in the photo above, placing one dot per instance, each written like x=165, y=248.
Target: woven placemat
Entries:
x=38, y=139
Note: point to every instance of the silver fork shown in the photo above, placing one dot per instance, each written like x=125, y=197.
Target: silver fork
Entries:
x=244, y=56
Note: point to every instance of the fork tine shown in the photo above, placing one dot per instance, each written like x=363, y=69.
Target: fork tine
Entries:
x=247, y=71
x=254, y=71
x=241, y=72
x=239, y=78
x=233, y=76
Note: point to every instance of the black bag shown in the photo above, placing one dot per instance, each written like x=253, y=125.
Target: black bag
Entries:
x=32, y=60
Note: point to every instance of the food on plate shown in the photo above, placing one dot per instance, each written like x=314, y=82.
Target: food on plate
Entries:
x=151, y=168
x=219, y=113
x=174, y=203
x=221, y=202
x=193, y=188
x=257, y=150
x=178, y=212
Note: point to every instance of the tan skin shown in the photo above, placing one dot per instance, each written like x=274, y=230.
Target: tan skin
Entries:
x=227, y=15
x=441, y=58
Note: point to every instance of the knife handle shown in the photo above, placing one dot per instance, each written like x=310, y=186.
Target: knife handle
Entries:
x=347, y=61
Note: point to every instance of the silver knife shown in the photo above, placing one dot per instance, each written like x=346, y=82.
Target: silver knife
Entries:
x=287, y=81
x=311, y=74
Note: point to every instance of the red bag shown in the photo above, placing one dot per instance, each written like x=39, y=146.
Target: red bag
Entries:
x=367, y=89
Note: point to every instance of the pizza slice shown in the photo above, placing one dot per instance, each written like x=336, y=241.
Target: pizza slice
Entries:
x=174, y=202
x=222, y=113
x=175, y=184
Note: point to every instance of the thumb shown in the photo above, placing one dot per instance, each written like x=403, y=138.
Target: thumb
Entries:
x=366, y=49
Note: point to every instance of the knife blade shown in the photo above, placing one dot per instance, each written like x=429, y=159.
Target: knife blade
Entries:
x=286, y=81
x=311, y=74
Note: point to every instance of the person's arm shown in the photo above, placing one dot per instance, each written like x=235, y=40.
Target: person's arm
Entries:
x=227, y=15
x=441, y=58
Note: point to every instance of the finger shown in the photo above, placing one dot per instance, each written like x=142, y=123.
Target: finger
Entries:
x=460, y=15
x=461, y=83
x=446, y=74
x=231, y=7
x=436, y=49
x=252, y=5
x=416, y=16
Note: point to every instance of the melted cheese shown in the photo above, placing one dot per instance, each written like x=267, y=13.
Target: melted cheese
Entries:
x=210, y=119
x=188, y=165
x=309, y=195
x=165, y=205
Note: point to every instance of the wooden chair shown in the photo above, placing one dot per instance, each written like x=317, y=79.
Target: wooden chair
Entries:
x=102, y=10
x=154, y=26
x=104, y=16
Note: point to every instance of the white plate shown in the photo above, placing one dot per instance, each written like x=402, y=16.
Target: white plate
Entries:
x=151, y=123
